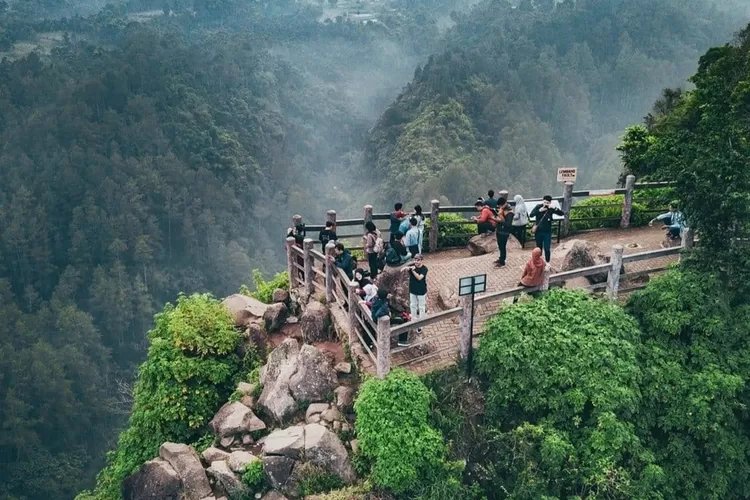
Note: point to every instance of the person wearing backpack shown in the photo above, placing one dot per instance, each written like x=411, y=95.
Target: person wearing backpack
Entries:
x=486, y=218
x=542, y=229
x=520, y=220
x=396, y=253
x=373, y=247
x=327, y=234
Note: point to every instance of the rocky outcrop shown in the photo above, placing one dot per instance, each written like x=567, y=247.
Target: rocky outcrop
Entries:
x=294, y=374
x=244, y=309
x=447, y=298
x=226, y=481
x=238, y=460
x=155, y=480
x=213, y=454
x=315, y=323
x=278, y=470
x=235, y=418
x=324, y=449
x=275, y=317
x=576, y=254
x=280, y=295
x=289, y=442
x=396, y=281
x=482, y=244
x=344, y=397
x=184, y=460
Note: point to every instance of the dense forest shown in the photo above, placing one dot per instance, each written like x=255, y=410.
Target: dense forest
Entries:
x=522, y=89
x=151, y=147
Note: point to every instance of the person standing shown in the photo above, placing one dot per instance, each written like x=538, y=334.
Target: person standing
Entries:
x=504, y=220
x=327, y=234
x=490, y=201
x=417, y=295
x=411, y=238
x=520, y=220
x=373, y=247
x=420, y=224
x=542, y=214
x=396, y=217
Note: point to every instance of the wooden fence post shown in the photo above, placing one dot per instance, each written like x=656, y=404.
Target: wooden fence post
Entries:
x=627, y=202
x=434, y=225
x=330, y=271
x=296, y=220
x=566, y=204
x=331, y=217
x=613, y=276
x=368, y=214
x=545, y=278
x=353, y=305
x=383, y=363
x=688, y=240
x=307, y=247
x=290, y=259
x=464, y=321
x=503, y=194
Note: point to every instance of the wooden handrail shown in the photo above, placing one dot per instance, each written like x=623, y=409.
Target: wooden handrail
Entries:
x=433, y=318
x=579, y=273
x=651, y=254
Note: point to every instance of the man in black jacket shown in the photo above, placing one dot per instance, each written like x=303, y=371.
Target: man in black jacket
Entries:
x=504, y=221
x=542, y=215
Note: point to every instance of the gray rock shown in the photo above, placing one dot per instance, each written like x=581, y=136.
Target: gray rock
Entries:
x=324, y=449
x=276, y=398
x=273, y=495
x=354, y=443
x=313, y=419
x=575, y=254
x=278, y=470
x=247, y=439
x=213, y=454
x=344, y=397
x=226, y=442
x=226, y=481
x=314, y=379
x=447, y=298
x=275, y=316
x=332, y=415
x=315, y=323
x=482, y=244
x=239, y=459
x=235, y=418
x=396, y=281
x=292, y=320
x=248, y=401
x=243, y=308
x=289, y=442
x=184, y=460
x=336, y=426
x=345, y=427
x=280, y=295
x=155, y=480
x=316, y=408
x=343, y=367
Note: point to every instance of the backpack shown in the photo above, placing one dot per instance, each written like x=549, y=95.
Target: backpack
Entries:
x=378, y=247
x=392, y=258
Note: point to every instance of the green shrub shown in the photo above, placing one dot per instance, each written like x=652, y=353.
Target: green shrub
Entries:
x=314, y=480
x=609, y=207
x=254, y=477
x=452, y=232
x=403, y=451
x=189, y=372
x=563, y=387
x=264, y=289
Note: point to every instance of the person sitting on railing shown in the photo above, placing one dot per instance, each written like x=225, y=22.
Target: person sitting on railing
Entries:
x=674, y=221
x=533, y=272
x=371, y=293
x=344, y=260
x=542, y=229
x=327, y=234
x=363, y=279
x=486, y=218
x=396, y=217
x=397, y=254
x=520, y=220
x=411, y=239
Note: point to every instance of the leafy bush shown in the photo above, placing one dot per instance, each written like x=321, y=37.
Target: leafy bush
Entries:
x=264, y=289
x=563, y=385
x=452, y=230
x=314, y=480
x=253, y=476
x=394, y=436
x=609, y=207
x=189, y=372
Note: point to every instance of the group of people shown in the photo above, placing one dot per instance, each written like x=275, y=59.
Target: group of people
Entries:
x=500, y=217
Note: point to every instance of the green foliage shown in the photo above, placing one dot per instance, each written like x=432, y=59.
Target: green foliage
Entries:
x=394, y=434
x=563, y=386
x=453, y=230
x=264, y=289
x=314, y=480
x=696, y=359
x=253, y=476
x=609, y=207
x=178, y=389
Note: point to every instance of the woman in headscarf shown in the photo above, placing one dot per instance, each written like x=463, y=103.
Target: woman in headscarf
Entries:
x=520, y=220
x=533, y=273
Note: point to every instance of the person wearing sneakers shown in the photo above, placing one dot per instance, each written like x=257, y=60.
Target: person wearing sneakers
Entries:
x=417, y=294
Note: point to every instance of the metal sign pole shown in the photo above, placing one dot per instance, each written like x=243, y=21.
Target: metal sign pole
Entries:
x=470, y=360
x=470, y=285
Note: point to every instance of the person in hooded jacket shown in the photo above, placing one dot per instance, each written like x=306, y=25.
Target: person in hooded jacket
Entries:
x=520, y=220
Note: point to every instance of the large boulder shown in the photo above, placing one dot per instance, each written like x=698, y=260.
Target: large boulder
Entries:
x=315, y=323
x=396, y=281
x=482, y=244
x=184, y=460
x=213, y=454
x=324, y=449
x=254, y=338
x=577, y=254
x=244, y=309
x=239, y=459
x=275, y=317
x=314, y=379
x=447, y=298
x=280, y=295
x=278, y=470
x=155, y=480
x=227, y=482
x=289, y=442
x=235, y=418
x=344, y=397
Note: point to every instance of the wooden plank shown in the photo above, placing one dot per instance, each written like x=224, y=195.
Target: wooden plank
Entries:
x=429, y=320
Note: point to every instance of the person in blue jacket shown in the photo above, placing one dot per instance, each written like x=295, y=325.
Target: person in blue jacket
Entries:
x=673, y=220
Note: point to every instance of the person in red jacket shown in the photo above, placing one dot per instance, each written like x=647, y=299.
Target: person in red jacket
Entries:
x=485, y=220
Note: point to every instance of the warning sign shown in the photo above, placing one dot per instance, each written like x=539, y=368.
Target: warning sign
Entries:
x=565, y=174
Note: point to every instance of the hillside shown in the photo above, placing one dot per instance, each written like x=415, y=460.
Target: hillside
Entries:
x=521, y=90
